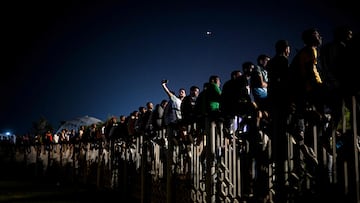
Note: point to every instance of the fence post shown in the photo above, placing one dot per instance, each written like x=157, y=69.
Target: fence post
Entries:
x=169, y=159
x=210, y=129
x=356, y=151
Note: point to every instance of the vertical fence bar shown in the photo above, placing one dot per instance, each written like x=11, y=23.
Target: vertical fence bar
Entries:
x=229, y=157
x=356, y=151
x=169, y=159
x=210, y=160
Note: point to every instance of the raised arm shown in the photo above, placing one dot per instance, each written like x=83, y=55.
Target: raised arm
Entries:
x=166, y=89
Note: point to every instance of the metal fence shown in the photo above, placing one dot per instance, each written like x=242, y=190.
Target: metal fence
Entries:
x=213, y=167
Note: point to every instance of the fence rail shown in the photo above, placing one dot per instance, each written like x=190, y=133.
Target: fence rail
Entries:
x=215, y=167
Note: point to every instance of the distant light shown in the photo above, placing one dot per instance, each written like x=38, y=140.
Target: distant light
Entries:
x=208, y=33
x=7, y=133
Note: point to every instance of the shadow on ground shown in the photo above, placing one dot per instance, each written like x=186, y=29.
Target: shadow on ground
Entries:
x=17, y=185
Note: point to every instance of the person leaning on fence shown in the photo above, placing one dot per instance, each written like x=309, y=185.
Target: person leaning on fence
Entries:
x=172, y=111
x=111, y=129
x=131, y=125
x=307, y=90
x=147, y=121
x=188, y=107
x=230, y=97
x=278, y=68
x=48, y=139
x=259, y=82
x=350, y=89
x=246, y=107
x=158, y=115
x=122, y=128
x=95, y=138
x=189, y=116
x=200, y=112
x=212, y=98
x=333, y=60
x=140, y=123
x=247, y=103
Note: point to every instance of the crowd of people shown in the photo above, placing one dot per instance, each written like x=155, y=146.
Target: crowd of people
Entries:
x=274, y=95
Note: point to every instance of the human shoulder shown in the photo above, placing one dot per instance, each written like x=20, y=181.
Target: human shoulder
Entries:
x=257, y=69
x=173, y=97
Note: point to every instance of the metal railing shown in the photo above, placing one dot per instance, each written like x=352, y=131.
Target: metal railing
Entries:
x=215, y=167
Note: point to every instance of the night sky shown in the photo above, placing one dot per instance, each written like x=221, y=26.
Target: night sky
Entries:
x=67, y=59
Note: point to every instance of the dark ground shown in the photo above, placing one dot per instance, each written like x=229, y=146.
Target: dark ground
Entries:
x=41, y=191
x=16, y=186
x=19, y=184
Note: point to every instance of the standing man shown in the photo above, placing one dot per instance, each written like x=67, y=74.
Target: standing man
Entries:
x=307, y=88
x=278, y=69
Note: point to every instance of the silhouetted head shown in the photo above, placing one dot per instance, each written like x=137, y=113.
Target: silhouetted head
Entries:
x=343, y=33
x=311, y=37
x=248, y=67
x=281, y=45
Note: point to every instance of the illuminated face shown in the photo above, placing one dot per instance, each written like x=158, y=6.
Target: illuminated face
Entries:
x=182, y=93
x=218, y=82
x=195, y=92
x=317, y=39
x=265, y=61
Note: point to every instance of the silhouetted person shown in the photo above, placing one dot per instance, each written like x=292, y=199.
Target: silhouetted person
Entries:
x=307, y=89
x=158, y=115
x=278, y=69
x=188, y=111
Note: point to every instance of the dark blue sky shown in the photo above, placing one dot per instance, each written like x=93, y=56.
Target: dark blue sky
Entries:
x=66, y=59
